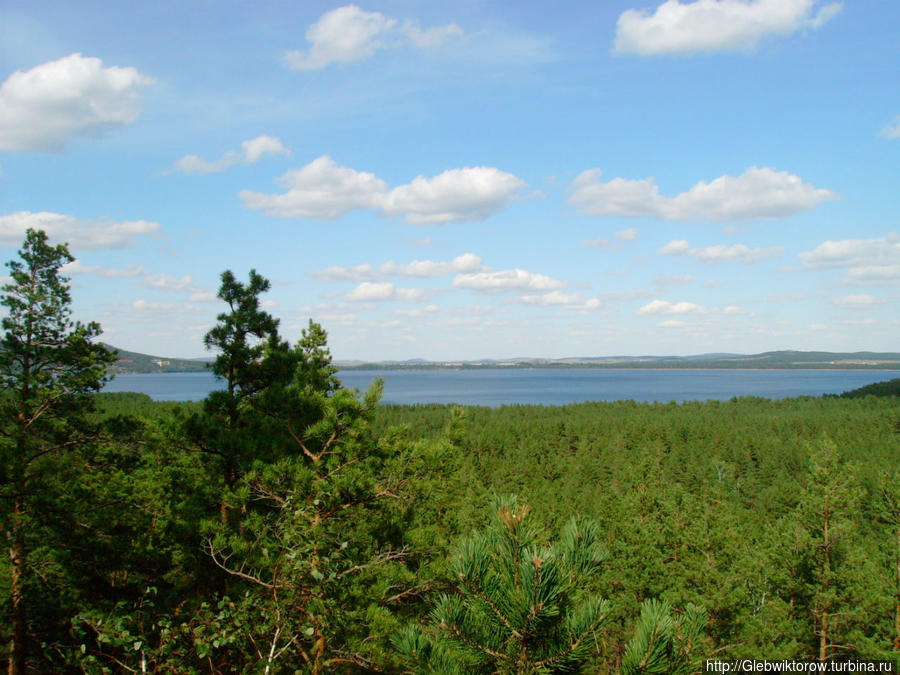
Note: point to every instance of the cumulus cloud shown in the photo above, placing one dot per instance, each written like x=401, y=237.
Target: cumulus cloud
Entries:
x=163, y=307
x=868, y=261
x=462, y=195
x=721, y=253
x=553, y=298
x=195, y=164
x=348, y=34
x=467, y=262
x=375, y=292
x=424, y=311
x=322, y=190
x=507, y=280
x=860, y=301
x=163, y=282
x=251, y=152
x=757, y=193
x=43, y=108
x=78, y=233
x=257, y=148
x=716, y=25
x=606, y=245
x=666, y=307
x=77, y=267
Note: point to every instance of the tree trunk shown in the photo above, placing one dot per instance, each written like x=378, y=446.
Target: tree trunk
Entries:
x=16, y=539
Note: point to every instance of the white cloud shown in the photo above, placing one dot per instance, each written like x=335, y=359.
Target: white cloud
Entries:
x=606, y=245
x=257, y=148
x=891, y=131
x=374, y=292
x=322, y=190
x=461, y=195
x=869, y=261
x=363, y=272
x=162, y=307
x=76, y=267
x=78, y=233
x=874, y=274
x=854, y=252
x=860, y=301
x=507, y=280
x=424, y=311
x=467, y=262
x=716, y=25
x=666, y=307
x=348, y=34
x=164, y=282
x=43, y=108
x=721, y=253
x=572, y=301
x=428, y=38
x=251, y=152
x=676, y=247
x=553, y=298
x=757, y=193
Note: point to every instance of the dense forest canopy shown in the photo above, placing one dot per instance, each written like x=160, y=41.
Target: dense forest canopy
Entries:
x=287, y=524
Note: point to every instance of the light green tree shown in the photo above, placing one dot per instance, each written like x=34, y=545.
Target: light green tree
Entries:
x=520, y=607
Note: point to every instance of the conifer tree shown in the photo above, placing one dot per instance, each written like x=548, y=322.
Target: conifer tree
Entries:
x=664, y=644
x=48, y=367
x=828, y=512
x=520, y=608
x=251, y=358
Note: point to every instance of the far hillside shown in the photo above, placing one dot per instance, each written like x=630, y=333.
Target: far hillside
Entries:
x=134, y=362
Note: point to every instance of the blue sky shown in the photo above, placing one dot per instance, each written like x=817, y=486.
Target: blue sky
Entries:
x=466, y=180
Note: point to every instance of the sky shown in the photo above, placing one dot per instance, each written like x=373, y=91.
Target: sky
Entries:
x=468, y=179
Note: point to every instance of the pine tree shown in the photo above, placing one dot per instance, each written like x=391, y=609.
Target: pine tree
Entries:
x=520, y=608
x=49, y=366
x=828, y=512
x=664, y=644
x=251, y=358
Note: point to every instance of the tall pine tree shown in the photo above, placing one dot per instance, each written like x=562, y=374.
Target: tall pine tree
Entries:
x=48, y=367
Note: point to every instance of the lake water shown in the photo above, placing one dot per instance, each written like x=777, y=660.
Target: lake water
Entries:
x=546, y=386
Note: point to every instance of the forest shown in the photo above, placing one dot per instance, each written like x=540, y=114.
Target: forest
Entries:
x=287, y=524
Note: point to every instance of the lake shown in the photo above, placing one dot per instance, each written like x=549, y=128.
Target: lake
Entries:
x=546, y=386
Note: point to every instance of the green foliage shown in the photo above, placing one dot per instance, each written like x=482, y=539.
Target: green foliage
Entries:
x=287, y=524
x=663, y=643
x=519, y=606
x=48, y=368
x=889, y=388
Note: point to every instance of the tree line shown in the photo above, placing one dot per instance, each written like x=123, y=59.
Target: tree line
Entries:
x=287, y=524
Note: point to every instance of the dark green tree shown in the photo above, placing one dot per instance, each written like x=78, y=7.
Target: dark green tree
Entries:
x=49, y=366
x=251, y=358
